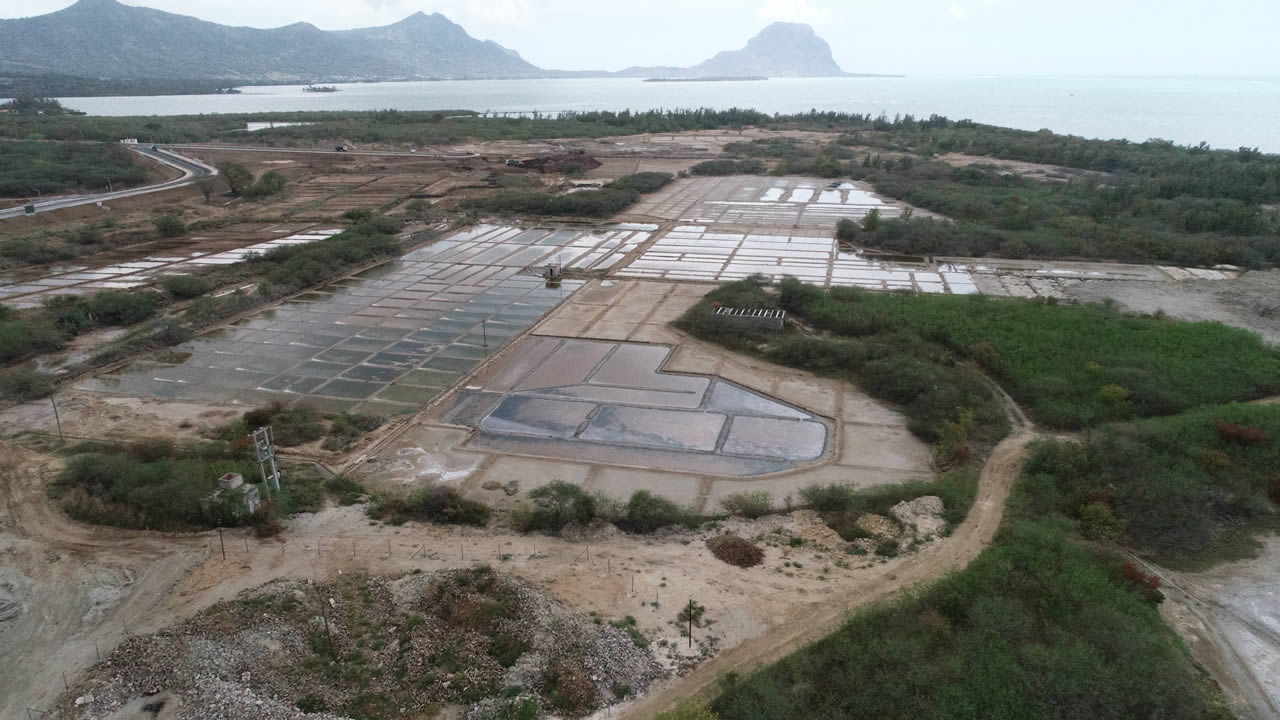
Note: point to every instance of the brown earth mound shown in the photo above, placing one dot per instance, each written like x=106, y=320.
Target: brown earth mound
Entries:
x=735, y=551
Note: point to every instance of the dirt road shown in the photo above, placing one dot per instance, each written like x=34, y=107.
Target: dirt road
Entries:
x=809, y=623
x=77, y=586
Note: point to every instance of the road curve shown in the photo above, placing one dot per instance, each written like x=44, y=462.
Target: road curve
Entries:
x=192, y=171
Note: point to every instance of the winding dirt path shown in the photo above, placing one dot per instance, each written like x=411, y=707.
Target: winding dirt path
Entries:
x=812, y=622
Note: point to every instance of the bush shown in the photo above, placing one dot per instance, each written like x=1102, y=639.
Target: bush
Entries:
x=748, y=504
x=24, y=384
x=725, y=166
x=688, y=710
x=646, y=512
x=829, y=498
x=558, y=504
x=185, y=287
x=436, y=504
x=169, y=226
x=113, y=307
x=152, y=486
x=846, y=230
x=271, y=183
x=643, y=182
x=735, y=551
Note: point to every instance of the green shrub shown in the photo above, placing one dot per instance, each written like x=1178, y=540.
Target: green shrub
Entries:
x=24, y=384
x=556, y=505
x=829, y=498
x=113, y=307
x=152, y=487
x=437, y=504
x=646, y=512
x=748, y=504
x=185, y=287
x=169, y=226
x=643, y=182
x=725, y=166
x=271, y=183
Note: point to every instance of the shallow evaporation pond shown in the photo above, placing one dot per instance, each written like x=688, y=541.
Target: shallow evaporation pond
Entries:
x=611, y=402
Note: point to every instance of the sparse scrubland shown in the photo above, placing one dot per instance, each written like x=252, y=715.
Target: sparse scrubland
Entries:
x=162, y=485
x=612, y=199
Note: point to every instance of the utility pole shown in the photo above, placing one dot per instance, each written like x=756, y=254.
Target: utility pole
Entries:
x=263, y=443
x=690, y=622
x=61, y=438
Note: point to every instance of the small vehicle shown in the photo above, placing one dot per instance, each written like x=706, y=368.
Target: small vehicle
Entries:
x=154, y=148
x=513, y=163
x=342, y=148
x=29, y=209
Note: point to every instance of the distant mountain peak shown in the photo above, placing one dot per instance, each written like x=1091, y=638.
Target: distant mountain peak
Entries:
x=104, y=38
x=782, y=49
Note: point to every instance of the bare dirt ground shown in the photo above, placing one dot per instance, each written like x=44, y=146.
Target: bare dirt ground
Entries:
x=1029, y=170
x=1230, y=619
x=71, y=592
x=1251, y=302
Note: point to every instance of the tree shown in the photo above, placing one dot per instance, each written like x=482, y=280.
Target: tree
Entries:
x=207, y=186
x=847, y=230
x=236, y=176
x=871, y=222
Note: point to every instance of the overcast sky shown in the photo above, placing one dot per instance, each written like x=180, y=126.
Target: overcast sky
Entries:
x=1109, y=37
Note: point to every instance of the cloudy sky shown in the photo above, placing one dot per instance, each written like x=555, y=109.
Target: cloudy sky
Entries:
x=1111, y=37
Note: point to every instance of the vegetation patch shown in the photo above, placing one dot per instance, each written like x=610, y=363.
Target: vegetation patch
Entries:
x=735, y=550
x=1191, y=490
x=31, y=168
x=438, y=504
x=1072, y=366
x=605, y=202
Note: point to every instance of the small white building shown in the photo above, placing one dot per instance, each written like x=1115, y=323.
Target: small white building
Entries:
x=244, y=498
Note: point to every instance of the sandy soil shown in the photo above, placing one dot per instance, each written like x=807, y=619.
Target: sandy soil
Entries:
x=1251, y=301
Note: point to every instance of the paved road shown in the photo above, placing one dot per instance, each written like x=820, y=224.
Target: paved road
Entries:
x=426, y=152
x=192, y=170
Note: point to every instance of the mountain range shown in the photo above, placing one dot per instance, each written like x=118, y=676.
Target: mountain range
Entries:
x=107, y=39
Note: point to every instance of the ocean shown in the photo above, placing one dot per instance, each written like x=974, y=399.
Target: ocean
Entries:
x=1224, y=112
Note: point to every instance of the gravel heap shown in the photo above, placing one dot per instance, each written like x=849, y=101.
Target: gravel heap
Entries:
x=392, y=647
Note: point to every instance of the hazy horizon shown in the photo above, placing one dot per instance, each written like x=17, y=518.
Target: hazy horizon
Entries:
x=1178, y=38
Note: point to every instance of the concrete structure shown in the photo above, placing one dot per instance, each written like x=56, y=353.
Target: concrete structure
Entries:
x=243, y=497
x=762, y=319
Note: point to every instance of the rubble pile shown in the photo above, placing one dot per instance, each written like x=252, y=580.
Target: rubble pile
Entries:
x=371, y=647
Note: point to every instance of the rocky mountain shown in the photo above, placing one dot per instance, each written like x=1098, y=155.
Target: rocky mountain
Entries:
x=107, y=39
x=780, y=50
x=104, y=38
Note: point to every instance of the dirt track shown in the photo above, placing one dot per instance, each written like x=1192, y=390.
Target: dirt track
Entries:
x=808, y=623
